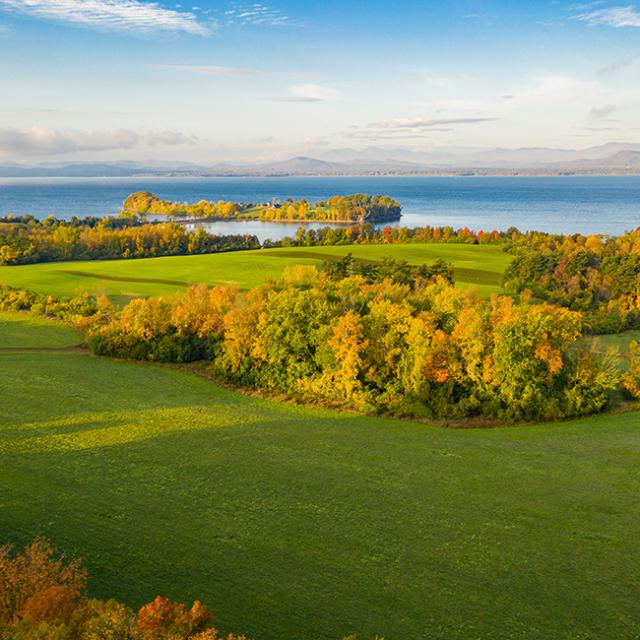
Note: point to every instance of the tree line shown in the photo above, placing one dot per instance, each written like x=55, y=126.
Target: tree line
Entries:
x=108, y=239
x=596, y=275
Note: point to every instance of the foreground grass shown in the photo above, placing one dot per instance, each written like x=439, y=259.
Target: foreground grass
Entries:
x=295, y=523
x=477, y=265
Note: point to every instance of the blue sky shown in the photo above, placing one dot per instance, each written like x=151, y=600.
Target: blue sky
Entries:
x=206, y=81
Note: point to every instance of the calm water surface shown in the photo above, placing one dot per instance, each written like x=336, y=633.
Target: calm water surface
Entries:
x=562, y=204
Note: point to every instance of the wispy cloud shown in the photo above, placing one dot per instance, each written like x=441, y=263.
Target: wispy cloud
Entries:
x=423, y=123
x=598, y=113
x=378, y=136
x=409, y=128
x=256, y=14
x=617, y=65
x=130, y=16
x=239, y=72
x=169, y=138
x=309, y=93
x=613, y=17
x=40, y=141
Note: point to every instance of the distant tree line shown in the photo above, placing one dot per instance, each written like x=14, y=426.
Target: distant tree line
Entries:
x=596, y=275
x=350, y=208
x=108, y=239
x=367, y=233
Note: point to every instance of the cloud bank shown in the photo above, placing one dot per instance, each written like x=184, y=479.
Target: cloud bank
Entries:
x=39, y=141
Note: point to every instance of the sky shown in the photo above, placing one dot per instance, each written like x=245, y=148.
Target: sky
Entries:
x=232, y=81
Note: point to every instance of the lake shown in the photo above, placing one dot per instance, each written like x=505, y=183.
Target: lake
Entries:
x=558, y=204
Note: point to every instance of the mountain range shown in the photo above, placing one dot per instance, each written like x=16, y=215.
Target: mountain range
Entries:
x=611, y=158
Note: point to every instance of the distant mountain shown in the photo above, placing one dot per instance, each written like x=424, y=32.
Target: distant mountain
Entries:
x=439, y=157
x=76, y=170
x=300, y=165
x=609, y=158
x=92, y=169
x=626, y=160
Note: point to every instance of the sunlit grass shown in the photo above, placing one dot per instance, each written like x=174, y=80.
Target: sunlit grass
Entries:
x=297, y=523
x=480, y=266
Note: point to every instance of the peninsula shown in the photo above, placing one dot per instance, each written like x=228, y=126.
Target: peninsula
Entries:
x=357, y=207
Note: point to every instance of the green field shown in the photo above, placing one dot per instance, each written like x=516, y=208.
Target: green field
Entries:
x=21, y=330
x=300, y=524
x=477, y=265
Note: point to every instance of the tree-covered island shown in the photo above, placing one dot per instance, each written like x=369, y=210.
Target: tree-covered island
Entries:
x=357, y=207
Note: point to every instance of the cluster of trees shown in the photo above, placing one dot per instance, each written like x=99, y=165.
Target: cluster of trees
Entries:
x=397, y=271
x=110, y=238
x=423, y=348
x=69, y=309
x=44, y=597
x=146, y=203
x=357, y=207
x=597, y=275
x=351, y=208
x=392, y=338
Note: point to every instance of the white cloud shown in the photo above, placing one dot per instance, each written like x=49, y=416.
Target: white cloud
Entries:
x=40, y=141
x=309, y=93
x=213, y=70
x=613, y=17
x=112, y=15
x=256, y=14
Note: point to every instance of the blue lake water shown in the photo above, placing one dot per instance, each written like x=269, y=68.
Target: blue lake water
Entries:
x=559, y=204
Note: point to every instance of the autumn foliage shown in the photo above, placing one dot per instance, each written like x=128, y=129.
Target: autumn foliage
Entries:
x=350, y=208
x=389, y=340
x=596, y=275
x=104, y=239
x=43, y=596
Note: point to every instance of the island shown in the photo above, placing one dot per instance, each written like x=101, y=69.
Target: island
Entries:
x=356, y=207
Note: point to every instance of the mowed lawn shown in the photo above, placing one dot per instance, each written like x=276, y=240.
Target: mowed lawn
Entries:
x=478, y=265
x=296, y=524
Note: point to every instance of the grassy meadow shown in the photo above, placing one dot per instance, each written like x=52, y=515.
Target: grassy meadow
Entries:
x=480, y=266
x=297, y=523
x=25, y=331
